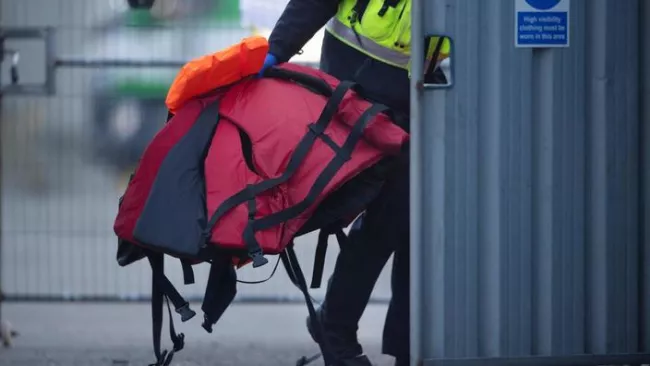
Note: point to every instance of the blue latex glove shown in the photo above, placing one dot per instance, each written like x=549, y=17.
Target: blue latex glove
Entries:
x=269, y=61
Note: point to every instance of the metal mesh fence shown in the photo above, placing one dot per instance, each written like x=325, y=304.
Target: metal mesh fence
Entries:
x=66, y=156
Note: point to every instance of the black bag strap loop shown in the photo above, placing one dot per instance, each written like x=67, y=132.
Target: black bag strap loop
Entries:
x=162, y=289
x=321, y=252
x=290, y=261
x=311, y=82
x=220, y=290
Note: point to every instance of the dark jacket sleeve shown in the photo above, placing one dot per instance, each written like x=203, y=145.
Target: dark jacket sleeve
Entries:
x=300, y=20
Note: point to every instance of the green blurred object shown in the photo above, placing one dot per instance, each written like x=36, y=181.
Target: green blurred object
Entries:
x=128, y=104
x=152, y=89
x=227, y=10
x=221, y=11
x=142, y=18
x=223, y=14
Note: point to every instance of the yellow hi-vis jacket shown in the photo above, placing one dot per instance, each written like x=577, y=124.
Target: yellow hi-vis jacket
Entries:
x=382, y=30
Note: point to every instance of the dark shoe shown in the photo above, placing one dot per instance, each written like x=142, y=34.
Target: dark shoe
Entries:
x=345, y=348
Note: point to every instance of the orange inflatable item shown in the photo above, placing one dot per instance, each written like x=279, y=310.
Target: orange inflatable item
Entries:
x=221, y=68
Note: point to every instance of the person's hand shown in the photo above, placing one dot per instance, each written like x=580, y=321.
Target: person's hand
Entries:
x=269, y=61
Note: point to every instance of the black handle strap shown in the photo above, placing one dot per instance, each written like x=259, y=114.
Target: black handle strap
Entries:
x=160, y=291
x=311, y=82
x=321, y=252
x=290, y=261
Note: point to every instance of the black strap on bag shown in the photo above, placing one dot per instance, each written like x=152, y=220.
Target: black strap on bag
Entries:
x=296, y=275
x=188, y=272
x=321, y=252
x=162, y=289
x=162, y=282
x=220, y=290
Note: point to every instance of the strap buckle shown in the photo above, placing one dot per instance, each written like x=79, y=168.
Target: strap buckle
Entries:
x=186, y=313
x=258, y=258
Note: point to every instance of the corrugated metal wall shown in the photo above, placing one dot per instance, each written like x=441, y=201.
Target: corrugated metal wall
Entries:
x=644, y=45
x=529, y=239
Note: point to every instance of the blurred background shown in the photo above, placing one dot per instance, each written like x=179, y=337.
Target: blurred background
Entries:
x=66, y=157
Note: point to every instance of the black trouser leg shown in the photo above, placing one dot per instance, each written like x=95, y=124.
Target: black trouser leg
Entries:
x=357, y=269
x=397, y=327
x=384, y=229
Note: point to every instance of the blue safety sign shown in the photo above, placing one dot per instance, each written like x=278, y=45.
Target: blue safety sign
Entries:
x=542, y=23
x=543, y=4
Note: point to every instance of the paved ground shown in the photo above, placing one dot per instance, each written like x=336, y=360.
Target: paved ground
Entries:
x=119, y=334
